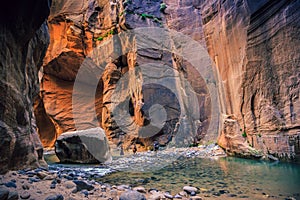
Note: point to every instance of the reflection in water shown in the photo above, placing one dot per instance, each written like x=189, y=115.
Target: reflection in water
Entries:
x=241, y=177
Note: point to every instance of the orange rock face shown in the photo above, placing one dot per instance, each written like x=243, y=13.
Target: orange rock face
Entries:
x=252, y=46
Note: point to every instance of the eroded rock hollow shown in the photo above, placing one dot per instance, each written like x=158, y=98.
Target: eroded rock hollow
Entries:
x=251, y=44
x=240, y=87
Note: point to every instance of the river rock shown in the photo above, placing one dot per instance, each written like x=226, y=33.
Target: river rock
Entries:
x=85, y=146
x=69, y=184
x=25, y=195
x=195, y=198
x=42, y=175
x=190, y=189
x=55, y=197
x=132, y=195
x=11, y=184
x=13, y=196
x=3, y=193
x=140, y=189
x=82, y=185
x=156, y=195
x=168, y=195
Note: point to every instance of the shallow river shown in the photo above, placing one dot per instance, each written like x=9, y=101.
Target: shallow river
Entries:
x=225, y=177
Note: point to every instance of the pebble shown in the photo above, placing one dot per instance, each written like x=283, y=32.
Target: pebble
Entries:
x=168, y=195
x=52, y=186
x=193, y=193
x=223, y=191
x=82, y=185
x=122, y=187
x=10, y=184
x=113, y=193
x=25, y=187
x=42, y=175
x=49, y=177
x=183, y=194
x=13, y=196
x=85, y=192
x=140, y=189
x=195, y=198
x=55, y=197
x=132, y=195
x=69, y=184
x=190, y=189
x=177, y=196
x=32, y=179
x=103, y=188
x=216, y=194
x=25, y=195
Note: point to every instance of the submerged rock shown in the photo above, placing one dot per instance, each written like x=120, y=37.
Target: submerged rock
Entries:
x=85, y=146
x=132, y=195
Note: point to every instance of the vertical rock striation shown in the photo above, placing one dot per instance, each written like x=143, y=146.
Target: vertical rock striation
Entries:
x=24, y=39
x=254, y=44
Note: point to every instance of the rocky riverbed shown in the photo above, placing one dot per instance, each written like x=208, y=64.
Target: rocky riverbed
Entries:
x=88, y=182
x=65, y=182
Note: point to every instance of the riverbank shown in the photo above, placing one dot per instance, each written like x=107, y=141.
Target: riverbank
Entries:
x=76, y=182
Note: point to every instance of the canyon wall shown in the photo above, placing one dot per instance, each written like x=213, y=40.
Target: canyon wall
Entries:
x=24, y=39
x=252, y=44
x=76, y=32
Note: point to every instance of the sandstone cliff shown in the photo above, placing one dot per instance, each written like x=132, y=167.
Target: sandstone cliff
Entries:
x=252, y=43
x=24, y=39
x=74, y=33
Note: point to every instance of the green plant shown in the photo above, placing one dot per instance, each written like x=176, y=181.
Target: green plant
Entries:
x=122, y=13
x=259, y=135
x=244, y=134
x=99, y=38
x=163, y=7
x=144, y=16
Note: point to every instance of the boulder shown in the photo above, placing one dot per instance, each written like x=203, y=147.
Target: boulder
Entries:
x=84, y=146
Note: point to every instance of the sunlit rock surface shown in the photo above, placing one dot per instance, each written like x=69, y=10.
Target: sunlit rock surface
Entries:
x=252, y=44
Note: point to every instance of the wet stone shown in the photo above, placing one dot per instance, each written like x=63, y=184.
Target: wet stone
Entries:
x=130, y=195
x=10, y=184
x=32, y=179
x=223, y=191
x=190, y=189
x=216, y=194
x=168, y=195
x=82, y=185
x=25, y=195
x=232, y=195
x=193, y=193
x=55, y=197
